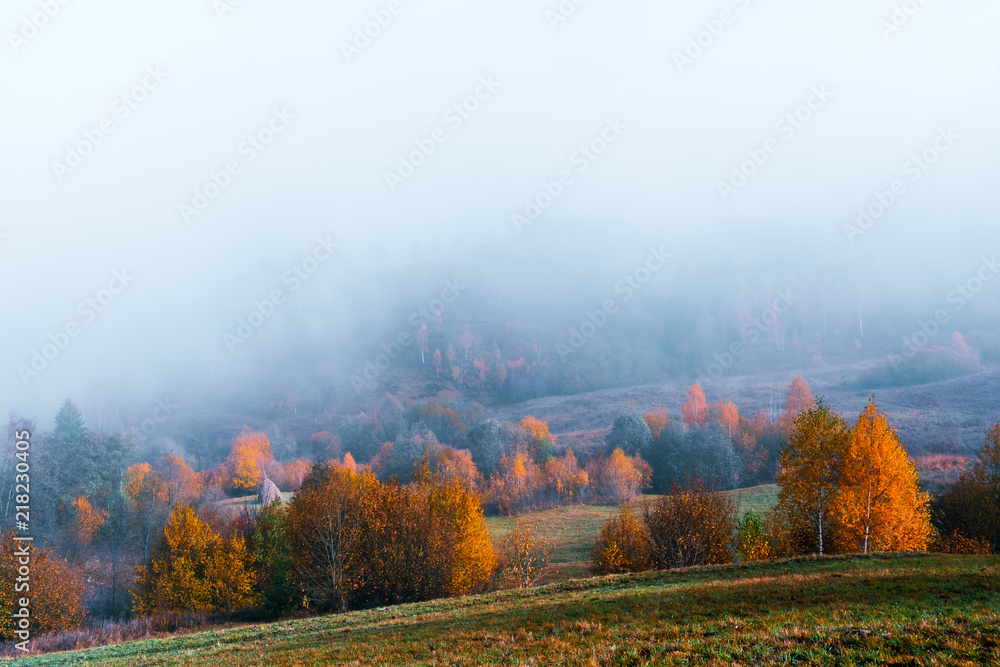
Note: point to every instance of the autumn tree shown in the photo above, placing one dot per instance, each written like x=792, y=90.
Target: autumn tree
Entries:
x=57, y=591
x=810, y=473
x=87, y=520
x=880, y=505
x=657, y=421
x=541, y=442
x=195, y=570
x=467, y=551
x=147, y=495
x=728, y=417
x=565, y=480
x=694, y=412
x=513, y=486
x=247, y=457
x=620, y=477
x=326, y=523
x=799, y=400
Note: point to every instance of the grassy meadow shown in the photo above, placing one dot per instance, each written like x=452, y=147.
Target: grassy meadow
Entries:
x=898, y=609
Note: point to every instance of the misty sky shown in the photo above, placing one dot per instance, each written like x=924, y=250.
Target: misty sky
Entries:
x=224, y=74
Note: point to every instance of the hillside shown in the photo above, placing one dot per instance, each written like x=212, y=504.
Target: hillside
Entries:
x=850, y=610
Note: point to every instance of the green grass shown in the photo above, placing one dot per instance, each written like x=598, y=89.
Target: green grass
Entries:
x=572, y=530
x=903, y=609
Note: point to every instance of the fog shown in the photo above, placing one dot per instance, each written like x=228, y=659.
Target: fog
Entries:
x=250, y=154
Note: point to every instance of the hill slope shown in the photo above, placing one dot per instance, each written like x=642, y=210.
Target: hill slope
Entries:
x=879, y=609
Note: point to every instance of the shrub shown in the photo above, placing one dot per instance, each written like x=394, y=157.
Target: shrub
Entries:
x=622, y=546
x=690, y=526
x=752, y=541
x=524, y=557
x=957, y=543
x=971, y=505
x=56, y=590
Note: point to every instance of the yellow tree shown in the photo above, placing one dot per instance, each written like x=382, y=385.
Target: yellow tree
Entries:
x=194, y=570
x=247, y=457
x=541, y=441
x=694, y=412
x=809, y=477
x=623, y=477
x=881, y=506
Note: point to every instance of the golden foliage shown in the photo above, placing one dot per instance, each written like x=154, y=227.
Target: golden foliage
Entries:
x=880, y=506
x=619, y=477
x=247, y=457
x=513, y=485
x=810, y=475
x=195, y=570
x=356, y=541
x=564, y=478
x=55, y=589
x=622, y=546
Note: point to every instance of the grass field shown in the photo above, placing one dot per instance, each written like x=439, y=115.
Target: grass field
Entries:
x=572, y=530
x=904, y=609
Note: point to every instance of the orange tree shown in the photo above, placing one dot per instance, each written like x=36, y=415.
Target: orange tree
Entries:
x=55, y=589
x=326, y=529
x=247, y=457
x=880, y=505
